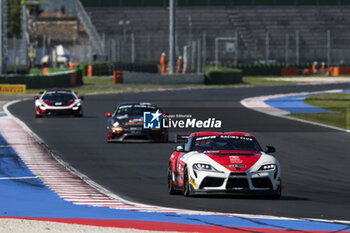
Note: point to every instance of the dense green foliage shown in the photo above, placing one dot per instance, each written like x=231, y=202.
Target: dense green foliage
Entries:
x=18, y=69
x=14, y=18
x=266, y=70
x=59, y=80
x=223, y=77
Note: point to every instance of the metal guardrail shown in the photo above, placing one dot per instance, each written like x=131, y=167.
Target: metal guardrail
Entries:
x=90, y=28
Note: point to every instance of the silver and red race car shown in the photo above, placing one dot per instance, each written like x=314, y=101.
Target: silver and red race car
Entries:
x=58, y=102
x=224, y=163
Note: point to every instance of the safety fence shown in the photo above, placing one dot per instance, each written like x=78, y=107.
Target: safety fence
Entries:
x=152, y=3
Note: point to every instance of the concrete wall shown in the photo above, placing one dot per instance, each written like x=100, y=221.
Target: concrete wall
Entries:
x=136, y=77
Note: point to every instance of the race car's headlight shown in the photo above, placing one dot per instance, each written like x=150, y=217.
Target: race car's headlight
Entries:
x=117, y=129
x=204, y=167
x=115, y=124
x=267, y=167
x=75, y=107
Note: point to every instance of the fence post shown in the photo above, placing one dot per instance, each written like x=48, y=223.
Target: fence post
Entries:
x=114, y=48
x=199, y=64
x=236, y=52
x=204, y=50
x=133, y=48
x=3, y=37
x=172, y=35
x=267, y=47
x=186, y=59
x=297, y=47
x=24, y=22
x=193, y=55
x=287, y=48
x=216, y=53
x=119, y=49
x=328, y=48
x=15, y=53
x=149, y=49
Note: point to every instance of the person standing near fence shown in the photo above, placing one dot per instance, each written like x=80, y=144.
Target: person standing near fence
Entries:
x=314, y=67
x=180, y=65
x=163, y=63
x=32, y=57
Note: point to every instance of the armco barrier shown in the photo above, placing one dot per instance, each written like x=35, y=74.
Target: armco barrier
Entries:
x=56, y=80
x=290, y=71
x=344, y=70
x=136, y=77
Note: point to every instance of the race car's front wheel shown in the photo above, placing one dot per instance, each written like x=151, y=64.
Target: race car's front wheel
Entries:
x=37, y=113
x=278, y=192
x=171, y=189
x=187, y=186
x=79, y=113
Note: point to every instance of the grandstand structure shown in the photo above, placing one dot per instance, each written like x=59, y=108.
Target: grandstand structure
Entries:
x=277, y=31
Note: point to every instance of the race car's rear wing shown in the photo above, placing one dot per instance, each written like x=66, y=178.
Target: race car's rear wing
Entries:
x=181, y=137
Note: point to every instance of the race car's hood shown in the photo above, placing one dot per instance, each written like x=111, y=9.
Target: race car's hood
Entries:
x=234, y=160
x=58, y=103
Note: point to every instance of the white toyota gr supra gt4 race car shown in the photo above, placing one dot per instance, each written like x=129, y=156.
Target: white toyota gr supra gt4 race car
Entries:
x=224, y=163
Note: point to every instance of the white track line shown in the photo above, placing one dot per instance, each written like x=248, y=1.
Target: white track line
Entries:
x=19, y=135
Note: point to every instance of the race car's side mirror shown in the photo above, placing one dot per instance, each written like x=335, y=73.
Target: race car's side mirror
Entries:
x=270, y=149
x=179, y=149
x=108, y=114
x=81, y=97
x=36, y=97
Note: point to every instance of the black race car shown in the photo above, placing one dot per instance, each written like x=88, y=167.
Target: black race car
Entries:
x=126, y=124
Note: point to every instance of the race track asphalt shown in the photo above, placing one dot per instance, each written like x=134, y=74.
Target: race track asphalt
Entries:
x=314, y=160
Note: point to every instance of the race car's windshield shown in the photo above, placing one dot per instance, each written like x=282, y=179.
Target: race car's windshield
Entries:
x=226, y=142
x=133, y=111
x=58, y=96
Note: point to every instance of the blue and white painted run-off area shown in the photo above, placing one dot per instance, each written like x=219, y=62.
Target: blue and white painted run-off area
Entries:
x=295, y=104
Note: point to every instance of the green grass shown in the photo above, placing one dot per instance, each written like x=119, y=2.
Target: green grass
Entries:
x=337, y=103
x=98, y=80
x=264, y=81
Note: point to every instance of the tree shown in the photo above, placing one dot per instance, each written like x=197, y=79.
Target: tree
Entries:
x=14, y=18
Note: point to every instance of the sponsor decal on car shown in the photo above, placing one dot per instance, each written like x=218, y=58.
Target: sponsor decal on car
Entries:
x=237, y=166
x=235, y=159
